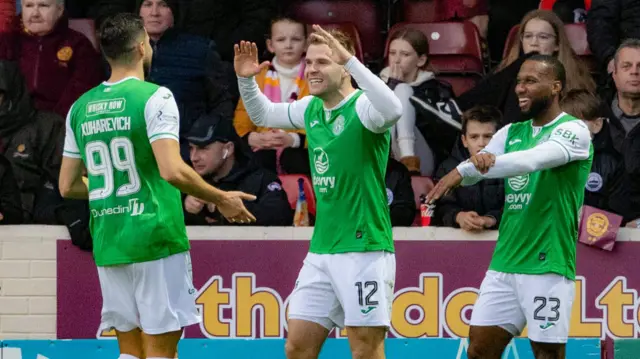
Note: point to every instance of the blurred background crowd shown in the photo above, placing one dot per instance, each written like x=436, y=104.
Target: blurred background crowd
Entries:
x=452, y=63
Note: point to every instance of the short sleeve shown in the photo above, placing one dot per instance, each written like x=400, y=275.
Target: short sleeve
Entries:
x=162, y=116
x=70, y=145
x=574, y=138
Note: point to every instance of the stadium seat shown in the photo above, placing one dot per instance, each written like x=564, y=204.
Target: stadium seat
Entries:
x=421, y=11
x=454, y=47
x=363, y=14
x=460, y=84
x=577, y=34
x=290, y=186
x=86, y=27
x=351, y=30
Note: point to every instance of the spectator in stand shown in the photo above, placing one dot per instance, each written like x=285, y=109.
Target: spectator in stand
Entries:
x=421, y=139
x=228, y=22
x=32, y=141
x=223, y=160
x=541, y=31
x=7, y=15
x=282, y=81
x=623, y=106
x=10, y=206
x=189, y=66
x=405, y=74
x=477, y=207
x=607, y=169
x=609, y=23
x=400, y=195
x=59, y=64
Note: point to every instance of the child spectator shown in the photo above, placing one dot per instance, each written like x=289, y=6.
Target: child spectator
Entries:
x=607, y=169
x=477, y=207
x=282, y=81
x=407, y=74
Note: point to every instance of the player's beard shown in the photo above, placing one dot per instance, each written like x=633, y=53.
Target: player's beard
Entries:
x=537, y=106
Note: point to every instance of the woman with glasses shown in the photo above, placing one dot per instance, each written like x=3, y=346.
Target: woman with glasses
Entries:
x=540, y=31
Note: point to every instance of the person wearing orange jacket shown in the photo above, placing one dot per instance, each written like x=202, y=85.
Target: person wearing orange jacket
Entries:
x=283, y=81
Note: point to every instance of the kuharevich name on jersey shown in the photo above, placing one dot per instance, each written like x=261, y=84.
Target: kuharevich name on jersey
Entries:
x=106, y=125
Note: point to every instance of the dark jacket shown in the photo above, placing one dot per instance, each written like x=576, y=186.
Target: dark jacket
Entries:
x=58, y=67
x=100, y=9
x=400, y=194
x=485, y=197
x=438, y=117
x=190, y=67
x=497, y=90
x=626, y=200
x=227, y=21
x=607, y=171
x=610, y=22
x=31, y=140
x=271, y=207
x=10, y=206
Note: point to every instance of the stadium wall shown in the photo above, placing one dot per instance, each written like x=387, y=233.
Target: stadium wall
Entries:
x=28, y=266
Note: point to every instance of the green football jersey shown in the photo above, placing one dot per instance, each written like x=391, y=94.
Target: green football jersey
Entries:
x=136, y=216
x=539, y=227
x=348, y=166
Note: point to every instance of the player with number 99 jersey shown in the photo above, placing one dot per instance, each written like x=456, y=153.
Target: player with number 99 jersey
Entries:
x=136, y=216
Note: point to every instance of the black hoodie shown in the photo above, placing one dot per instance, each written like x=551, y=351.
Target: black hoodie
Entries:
x=486, y=197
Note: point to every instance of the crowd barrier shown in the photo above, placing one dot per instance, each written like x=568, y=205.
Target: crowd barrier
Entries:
x=274, y=349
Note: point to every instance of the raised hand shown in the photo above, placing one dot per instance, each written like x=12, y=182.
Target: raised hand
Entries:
x=245, y=60
x=320, y=34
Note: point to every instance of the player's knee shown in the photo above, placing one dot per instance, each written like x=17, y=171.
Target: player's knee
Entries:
x=296, y=350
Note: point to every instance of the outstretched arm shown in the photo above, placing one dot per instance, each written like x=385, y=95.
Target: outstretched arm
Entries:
x=261, y=111
x=265, y=113
x=380, y=109
x=569, y=142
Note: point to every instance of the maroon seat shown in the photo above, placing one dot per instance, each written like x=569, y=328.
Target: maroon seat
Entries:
x=86, y=27
x=454, y=47
x=362, y=13
x=421, y=11
x=290, y=186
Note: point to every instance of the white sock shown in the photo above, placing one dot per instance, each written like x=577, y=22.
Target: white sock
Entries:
x=127, y=356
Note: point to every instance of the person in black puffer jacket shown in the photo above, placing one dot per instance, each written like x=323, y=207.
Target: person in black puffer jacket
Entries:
x=607, y=169
x=477, y=207
x=609, y=23
x=189, y=66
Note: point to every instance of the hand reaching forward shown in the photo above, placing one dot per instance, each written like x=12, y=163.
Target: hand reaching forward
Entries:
x=245, y=60
x=320, y=34
x=232, y=208
x=446, y=183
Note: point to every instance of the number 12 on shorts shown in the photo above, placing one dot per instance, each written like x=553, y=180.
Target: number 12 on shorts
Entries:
x=553, y=304
x=371, y=287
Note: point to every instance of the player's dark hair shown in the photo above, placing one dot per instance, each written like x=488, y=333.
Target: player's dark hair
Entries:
x=482, y=114
x=558, y=68
x=119, y=35
x=582, y=104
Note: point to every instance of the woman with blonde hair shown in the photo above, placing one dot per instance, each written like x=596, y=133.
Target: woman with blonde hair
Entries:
x=540, y=31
